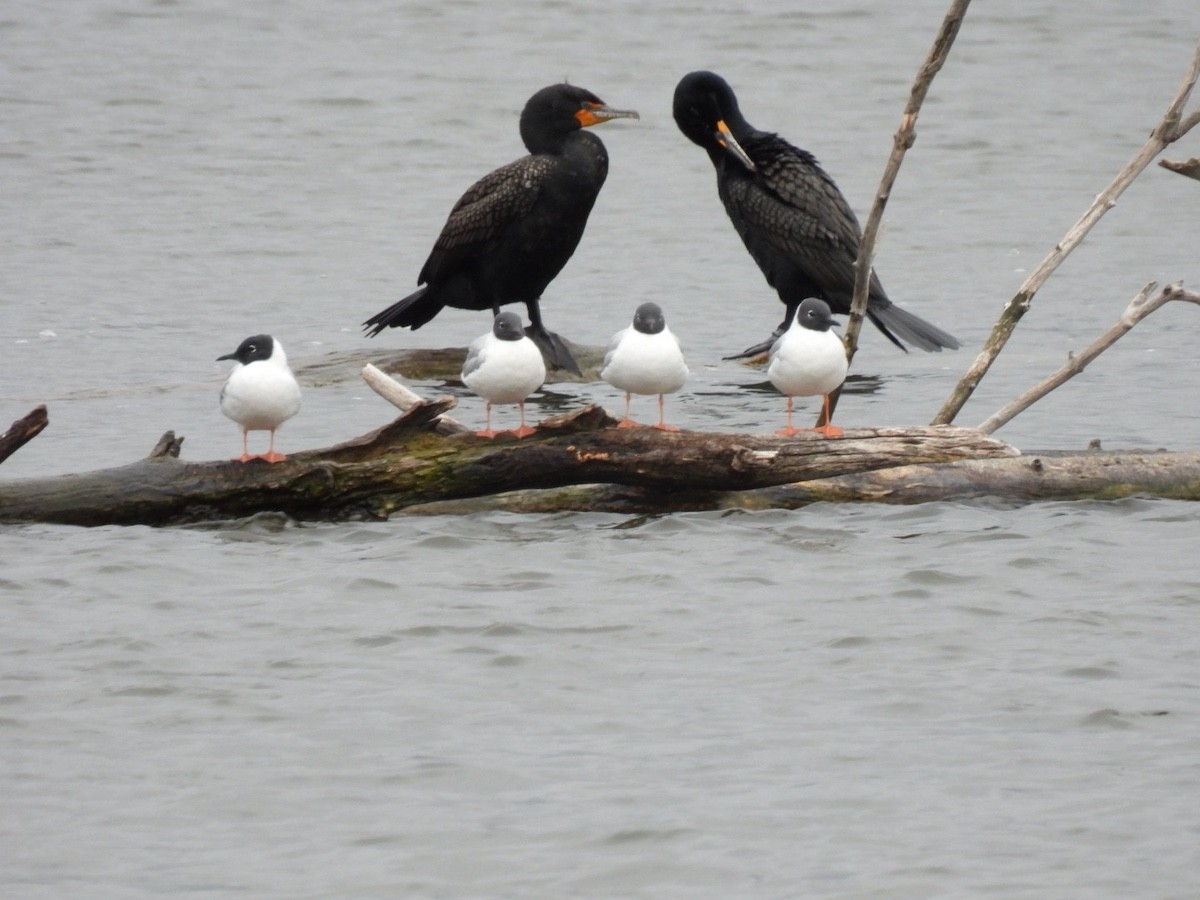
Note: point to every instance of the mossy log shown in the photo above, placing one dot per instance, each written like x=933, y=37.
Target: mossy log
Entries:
x=1089, y=475
x=423, y=458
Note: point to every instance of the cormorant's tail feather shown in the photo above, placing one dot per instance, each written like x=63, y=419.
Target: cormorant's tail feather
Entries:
x=901, y=326
x=898, y=326
x=412, y=312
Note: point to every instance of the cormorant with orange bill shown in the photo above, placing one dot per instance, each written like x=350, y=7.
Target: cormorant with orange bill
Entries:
x=789, y=213
x=513, y=230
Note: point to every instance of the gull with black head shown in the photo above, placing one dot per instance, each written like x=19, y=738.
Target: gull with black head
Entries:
x=808, y=360
x=645, y=358
x=504, y=366
x=261, y=393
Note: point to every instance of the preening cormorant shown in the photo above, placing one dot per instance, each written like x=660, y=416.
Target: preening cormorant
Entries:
x=789, y=213
x=513, y=230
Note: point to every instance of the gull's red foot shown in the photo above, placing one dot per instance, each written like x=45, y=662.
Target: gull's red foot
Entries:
x=522, y=432
x=274, y=457
x=789, y=431
x=829, y=431
x=628, y=423
x=486, y=433
x=663, y=426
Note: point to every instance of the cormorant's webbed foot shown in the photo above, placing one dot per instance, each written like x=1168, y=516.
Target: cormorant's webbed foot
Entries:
x=758, y=349
x=554, y=349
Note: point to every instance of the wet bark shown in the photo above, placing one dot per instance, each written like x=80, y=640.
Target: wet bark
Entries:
x=1022, y=479
x=411, y=463
x=22, y=431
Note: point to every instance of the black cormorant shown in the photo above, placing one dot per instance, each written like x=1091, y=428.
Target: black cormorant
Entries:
x=513, y=230
x=790, y=215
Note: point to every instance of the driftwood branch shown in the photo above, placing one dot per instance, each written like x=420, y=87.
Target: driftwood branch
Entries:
x=1170, y=129
x=1093, y=475
x=1023, y=479
x=409, y=462
x=1188, y=167
x=422, y=462
x=22, y=431
x=404, y=399
x=904, y=138
x=1139, y=307
x=168, y=447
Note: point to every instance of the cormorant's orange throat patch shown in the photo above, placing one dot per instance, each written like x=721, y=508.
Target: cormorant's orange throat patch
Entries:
x=587, y=118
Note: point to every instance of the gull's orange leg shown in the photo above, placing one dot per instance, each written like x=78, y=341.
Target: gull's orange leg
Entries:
x=662, y=422
x=627, y=422
x=487, y=428
x=245, y=457
x=828, y=429
x=524, y=430
x=790, y=429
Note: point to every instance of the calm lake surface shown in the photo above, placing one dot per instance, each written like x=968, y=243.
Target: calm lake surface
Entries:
x=941, y=701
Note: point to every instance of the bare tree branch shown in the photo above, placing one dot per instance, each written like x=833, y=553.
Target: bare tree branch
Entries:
x=1188, y=167
x=1170, y=129
x=1139, y=307
x=904, y=138
x=22, y=431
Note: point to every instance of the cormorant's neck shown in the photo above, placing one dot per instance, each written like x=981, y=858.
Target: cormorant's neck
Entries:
x=587, y=156
x=550, y=140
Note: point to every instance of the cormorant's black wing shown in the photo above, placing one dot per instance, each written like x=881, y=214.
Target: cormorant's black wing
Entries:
x=792, y=210
x=797, y=225
x=483, y=214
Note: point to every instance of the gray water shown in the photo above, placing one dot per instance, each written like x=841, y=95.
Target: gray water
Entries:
x=948, y=700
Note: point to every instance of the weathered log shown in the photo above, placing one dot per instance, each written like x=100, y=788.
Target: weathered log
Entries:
x=22, y=431
x=1023, y=479
x=409, y=462
x=1090, y=475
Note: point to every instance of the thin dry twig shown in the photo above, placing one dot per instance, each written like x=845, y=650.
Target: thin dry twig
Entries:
x=904, y=138
x=1139, y=307
x=1170, y=129
x=1188, y=167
